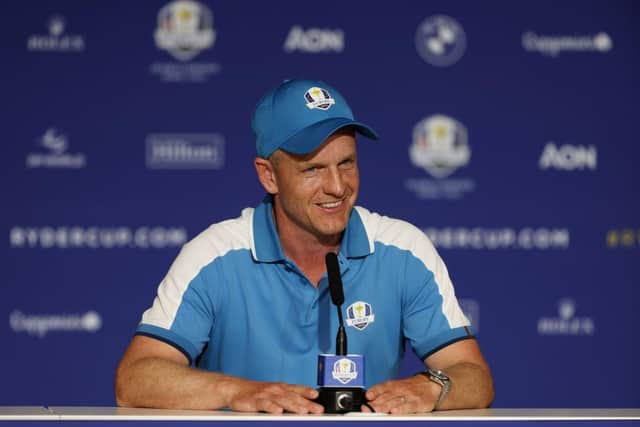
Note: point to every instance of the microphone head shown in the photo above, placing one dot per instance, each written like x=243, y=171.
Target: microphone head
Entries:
x=335, y=280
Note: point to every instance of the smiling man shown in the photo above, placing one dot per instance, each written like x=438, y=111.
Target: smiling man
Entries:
x=244, y=311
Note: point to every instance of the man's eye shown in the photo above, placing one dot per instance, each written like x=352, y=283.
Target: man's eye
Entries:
x=346, y=163
x=311, y=170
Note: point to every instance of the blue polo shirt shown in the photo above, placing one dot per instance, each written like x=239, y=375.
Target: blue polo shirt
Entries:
x=233, y=303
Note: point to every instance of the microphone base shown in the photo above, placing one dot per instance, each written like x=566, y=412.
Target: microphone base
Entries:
x=340, y=400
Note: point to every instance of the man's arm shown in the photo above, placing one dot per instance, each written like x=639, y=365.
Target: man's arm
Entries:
x=471, y=384
x=154, y=374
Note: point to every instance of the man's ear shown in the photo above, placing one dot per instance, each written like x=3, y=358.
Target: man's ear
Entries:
x=266, y=175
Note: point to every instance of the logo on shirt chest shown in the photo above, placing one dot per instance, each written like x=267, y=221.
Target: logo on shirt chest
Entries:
x=359, y=315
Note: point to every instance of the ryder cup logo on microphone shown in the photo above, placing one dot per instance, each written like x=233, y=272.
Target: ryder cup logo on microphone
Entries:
x=344, y=370
x=341, y=371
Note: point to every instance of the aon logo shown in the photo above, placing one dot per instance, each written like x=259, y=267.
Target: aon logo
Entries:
x=568, y=157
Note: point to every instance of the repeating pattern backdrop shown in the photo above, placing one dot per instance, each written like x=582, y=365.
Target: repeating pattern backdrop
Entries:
x=508, y=133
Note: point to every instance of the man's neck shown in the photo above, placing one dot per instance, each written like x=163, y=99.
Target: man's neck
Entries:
x=306, y=250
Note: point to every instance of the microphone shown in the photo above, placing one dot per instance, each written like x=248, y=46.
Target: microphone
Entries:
x=340, y=376
x=337, y=297
x=335, y=280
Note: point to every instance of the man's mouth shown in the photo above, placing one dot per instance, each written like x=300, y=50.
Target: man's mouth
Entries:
x=331, y=205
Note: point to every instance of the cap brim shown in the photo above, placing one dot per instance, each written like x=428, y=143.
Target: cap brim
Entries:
x=310, y=138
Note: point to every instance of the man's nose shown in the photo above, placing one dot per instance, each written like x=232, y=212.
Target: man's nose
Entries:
x=334, y=183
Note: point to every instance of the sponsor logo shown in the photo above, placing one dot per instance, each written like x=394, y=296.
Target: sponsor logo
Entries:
x=557, y=44
x=56, y=40
x=440, y=40
x=568, y=157
x=314, y=40
x=479, y=238
x=184, y=29
x=96, y=237
x=440, y=146
x=359, y=315
x=471, y=310
x=344, y=370
x=566, y=323
x=623, y=238
x=56, y=156
x=185, y=151
x=40, y=325
x=318, y=98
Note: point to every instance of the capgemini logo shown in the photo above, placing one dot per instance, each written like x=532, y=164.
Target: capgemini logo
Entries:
x=554, y=45
x=40, y=324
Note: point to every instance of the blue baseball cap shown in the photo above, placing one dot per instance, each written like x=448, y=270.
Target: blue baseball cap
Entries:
x=299, y=115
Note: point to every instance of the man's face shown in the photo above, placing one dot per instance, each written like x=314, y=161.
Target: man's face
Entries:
x=316, y=192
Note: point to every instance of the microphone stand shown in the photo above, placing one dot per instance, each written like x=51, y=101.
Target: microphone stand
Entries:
x=339, y=400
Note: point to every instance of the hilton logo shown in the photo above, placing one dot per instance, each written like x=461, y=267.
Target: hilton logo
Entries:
x=185, y=151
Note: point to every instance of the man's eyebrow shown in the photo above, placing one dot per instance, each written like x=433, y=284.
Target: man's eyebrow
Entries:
x=316, y=163
x=311, y=164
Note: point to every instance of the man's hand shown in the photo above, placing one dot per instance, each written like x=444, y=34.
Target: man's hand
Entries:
x=471, y=384
x=274, y=398
x=407, y=396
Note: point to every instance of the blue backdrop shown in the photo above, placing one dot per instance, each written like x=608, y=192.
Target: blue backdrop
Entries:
x=508, y=133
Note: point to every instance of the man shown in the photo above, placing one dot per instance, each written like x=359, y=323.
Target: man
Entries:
x=244, y=311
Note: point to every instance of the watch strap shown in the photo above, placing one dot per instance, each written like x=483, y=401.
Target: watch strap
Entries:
x=439, y=377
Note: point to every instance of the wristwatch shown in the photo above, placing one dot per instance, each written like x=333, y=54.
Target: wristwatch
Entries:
x=438, y=377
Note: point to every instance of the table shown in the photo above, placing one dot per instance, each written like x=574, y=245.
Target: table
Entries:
x=31, y=416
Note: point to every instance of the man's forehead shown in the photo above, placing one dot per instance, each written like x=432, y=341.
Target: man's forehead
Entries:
x=340, y=144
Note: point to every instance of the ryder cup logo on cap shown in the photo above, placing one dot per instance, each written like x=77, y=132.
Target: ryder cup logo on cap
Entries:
x=299, y=115
x=318, y=98
x=344, y=370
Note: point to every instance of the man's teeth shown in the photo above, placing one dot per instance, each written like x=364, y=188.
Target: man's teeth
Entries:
x=331, y=205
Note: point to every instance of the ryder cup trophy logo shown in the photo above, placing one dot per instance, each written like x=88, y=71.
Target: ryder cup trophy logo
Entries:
x=185, y=28
x=359, y=315
x=344, y=370
x=317, y=97
x=439, y=145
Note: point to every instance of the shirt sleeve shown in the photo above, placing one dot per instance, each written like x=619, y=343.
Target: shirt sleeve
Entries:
x=432, y=317
x=182, y=313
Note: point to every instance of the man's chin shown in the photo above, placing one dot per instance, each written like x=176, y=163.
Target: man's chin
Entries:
x=332, y=232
